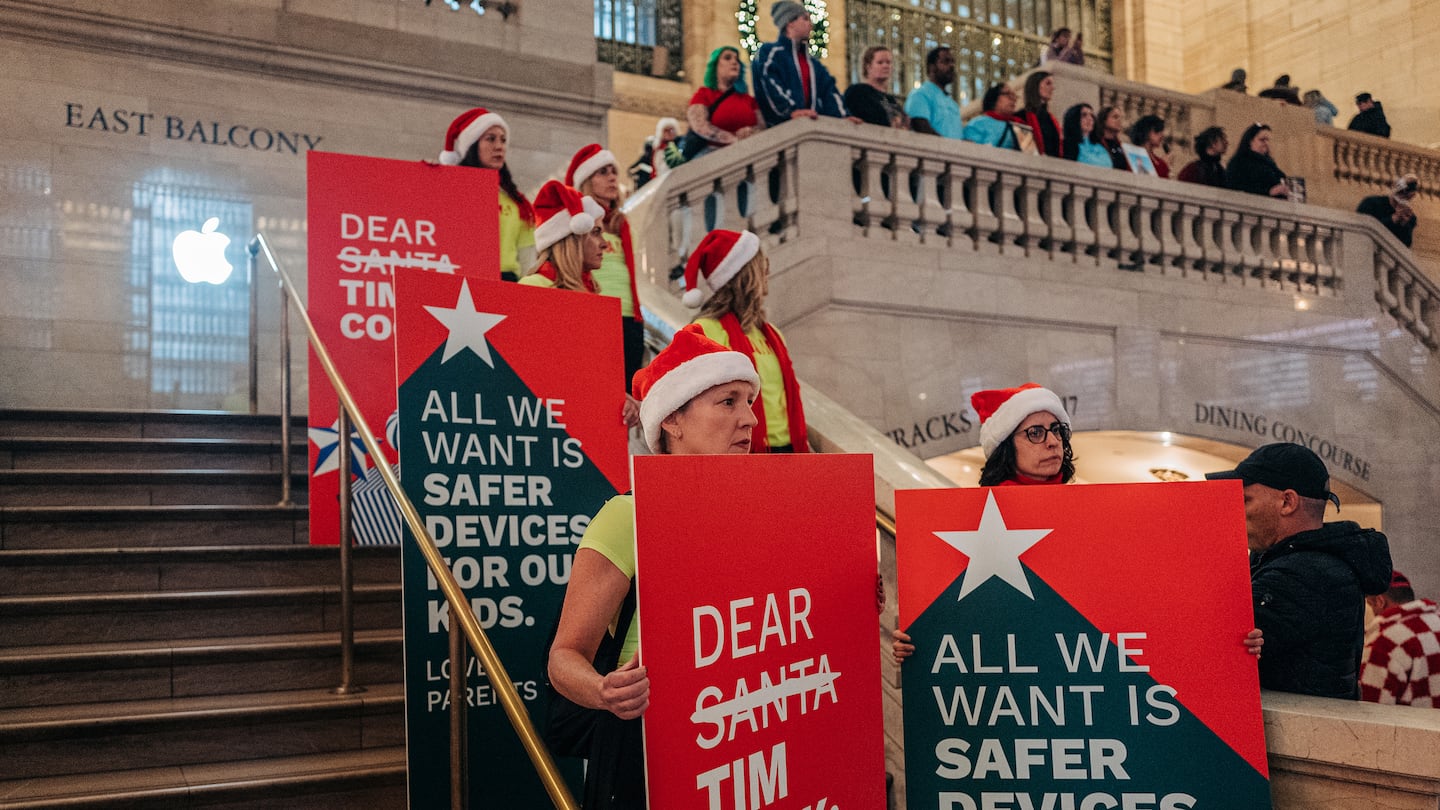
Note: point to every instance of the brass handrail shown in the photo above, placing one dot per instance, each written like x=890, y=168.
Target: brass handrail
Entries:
x=459, y=606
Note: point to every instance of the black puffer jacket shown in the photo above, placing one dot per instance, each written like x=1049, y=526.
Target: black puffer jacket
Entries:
x=1309, y=591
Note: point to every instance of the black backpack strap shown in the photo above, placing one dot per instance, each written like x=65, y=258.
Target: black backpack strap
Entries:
x=607, y=658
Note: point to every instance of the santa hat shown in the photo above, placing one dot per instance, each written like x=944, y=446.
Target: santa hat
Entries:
x=587, y=161
x=660, y=129
x=1002, y=410
x=466, y=130
x=562, y=211
x=689, y=366
x=717, y=259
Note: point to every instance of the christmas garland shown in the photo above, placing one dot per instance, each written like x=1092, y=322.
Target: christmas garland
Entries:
x=819, y=33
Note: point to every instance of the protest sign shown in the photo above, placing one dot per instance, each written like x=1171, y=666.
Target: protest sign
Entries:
x=369, y=217
x=510, y=440
x=756, y=578
x=1078, y=648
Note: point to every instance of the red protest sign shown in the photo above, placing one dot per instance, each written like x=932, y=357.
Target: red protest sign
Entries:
x=367, y=218
x=756, y=581
x=1079, y=645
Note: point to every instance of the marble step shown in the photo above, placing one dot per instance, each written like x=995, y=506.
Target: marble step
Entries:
x=49, y=571
x=146, y=487
x=62, y=673
x=134, y=734
x=40, y=527
x=83, y=618
x=59, y=453
x=369, y=778
x=143, y=424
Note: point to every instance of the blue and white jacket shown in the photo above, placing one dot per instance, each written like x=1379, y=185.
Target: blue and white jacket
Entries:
x=778, y=88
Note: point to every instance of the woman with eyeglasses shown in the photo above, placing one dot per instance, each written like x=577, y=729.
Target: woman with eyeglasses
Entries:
x=1025, y=435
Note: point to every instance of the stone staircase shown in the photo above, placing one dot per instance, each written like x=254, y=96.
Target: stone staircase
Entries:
x=167, y=636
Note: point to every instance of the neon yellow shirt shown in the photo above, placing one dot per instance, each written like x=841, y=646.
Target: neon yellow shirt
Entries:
x=515, y=233
x=772, y=382
x=613, y=276
x=612, y=533
x=537, y=280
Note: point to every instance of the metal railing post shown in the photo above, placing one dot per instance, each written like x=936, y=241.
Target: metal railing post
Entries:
x=347, y=576
x=460, y=612
x=285, y=406
x=254, y=394
x=459, y=733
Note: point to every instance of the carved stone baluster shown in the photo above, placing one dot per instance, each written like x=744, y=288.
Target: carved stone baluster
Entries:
x=983, y=192
x=1010, y=227
x=1190, y=255
x=1247, y=234
x=1055, y=211
x=865, y=187
x=1080, y=212
x=931, y=217
x=1416, y=306
x=1228, y=235
x=1307, y=279
x=1127, y=231
x=904, y=190
x=959, y=220
x=1032, y=225
x=783, y=191
x=1167, y=222
x=1326, y=250
x=1107, y=239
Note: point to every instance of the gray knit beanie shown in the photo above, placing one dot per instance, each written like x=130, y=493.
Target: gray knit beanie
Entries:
x=785, y=12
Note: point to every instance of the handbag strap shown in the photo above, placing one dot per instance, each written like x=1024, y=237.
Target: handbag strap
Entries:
x=608, y=656
x=719, y=101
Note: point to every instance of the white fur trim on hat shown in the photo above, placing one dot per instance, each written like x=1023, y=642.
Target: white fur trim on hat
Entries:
x=1008, y=416
x=470, y=134
x=593, y=164
x=686, y=381
x=744, y=249
x=662, y=124
x=561, y=225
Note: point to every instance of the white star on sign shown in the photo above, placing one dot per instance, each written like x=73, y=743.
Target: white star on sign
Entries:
x=994, y=550
x=467, y=327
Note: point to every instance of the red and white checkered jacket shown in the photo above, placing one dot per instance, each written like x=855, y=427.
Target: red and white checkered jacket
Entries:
x=1402, y=656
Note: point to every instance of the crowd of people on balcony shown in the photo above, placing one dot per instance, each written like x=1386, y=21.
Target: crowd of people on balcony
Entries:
x=1369, y=117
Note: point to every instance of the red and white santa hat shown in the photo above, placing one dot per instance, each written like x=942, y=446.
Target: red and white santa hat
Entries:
x=466, y=130
x=562, y=211
x=689, y=366
x=1003, y=409
x=587, y=161
x=718, y=257
x=660, y=127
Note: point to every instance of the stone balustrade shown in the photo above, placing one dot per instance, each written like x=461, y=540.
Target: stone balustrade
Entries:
x=918, y=190
x=1370, y=161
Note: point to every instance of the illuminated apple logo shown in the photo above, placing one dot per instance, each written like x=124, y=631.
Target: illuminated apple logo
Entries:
x=200, y=255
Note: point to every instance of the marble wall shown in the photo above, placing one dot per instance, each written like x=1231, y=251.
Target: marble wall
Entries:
x=123, y=131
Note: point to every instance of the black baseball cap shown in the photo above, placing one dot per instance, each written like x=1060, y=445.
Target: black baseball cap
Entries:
x=1282, y=466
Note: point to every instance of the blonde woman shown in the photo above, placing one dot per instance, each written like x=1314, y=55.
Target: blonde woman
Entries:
x=731, y=264
x=595, y=173
x=568, y=239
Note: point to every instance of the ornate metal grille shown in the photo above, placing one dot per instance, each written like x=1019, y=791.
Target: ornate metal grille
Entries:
x=640, y=36
x=993, y=40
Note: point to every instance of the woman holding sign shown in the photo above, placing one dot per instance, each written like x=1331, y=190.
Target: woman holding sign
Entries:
x=1025, y=436
x=695, y=399
x=480, y=138
x=732, y=265
x=595, y=173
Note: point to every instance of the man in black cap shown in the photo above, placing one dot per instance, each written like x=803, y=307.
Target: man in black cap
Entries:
x=1371, y=117
x=1308, y=578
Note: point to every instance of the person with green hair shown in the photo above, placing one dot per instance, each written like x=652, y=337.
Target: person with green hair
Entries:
x=721, y=111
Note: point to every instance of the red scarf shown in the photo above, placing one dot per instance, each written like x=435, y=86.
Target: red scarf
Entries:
x=629, y=250
x=548, y=271
x=1032, y=119
x=795, y=413
x=802, y=61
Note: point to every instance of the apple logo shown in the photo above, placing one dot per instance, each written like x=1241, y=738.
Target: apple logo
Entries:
x=200, y=255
